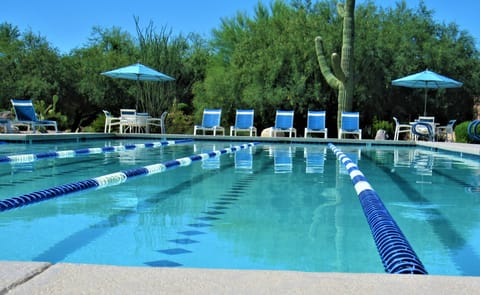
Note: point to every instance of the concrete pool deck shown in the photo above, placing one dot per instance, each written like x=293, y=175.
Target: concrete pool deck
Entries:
x=66, y=278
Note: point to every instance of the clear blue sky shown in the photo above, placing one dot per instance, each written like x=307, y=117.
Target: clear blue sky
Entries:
x=67, y=24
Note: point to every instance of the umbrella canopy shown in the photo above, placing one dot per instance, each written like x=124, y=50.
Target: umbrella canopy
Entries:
x=137, y=72
x=426, y=80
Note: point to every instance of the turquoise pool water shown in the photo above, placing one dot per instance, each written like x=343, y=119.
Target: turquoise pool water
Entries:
x=274, y=206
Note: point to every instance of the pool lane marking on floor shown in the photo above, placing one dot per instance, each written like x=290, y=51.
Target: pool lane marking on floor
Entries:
x=29, y=158
x=59, y=251
x=395, y=251
x=113, y=178
x=243, y=182
x=179, y=251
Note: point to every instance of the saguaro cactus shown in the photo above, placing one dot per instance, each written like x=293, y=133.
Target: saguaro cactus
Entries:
x=342, y=76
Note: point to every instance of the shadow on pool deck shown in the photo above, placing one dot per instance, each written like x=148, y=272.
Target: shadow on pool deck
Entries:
x=63, y=278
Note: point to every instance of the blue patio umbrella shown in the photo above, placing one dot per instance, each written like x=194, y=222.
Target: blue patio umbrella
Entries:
x=138, y=72
x=2, y=54
x=427, y=80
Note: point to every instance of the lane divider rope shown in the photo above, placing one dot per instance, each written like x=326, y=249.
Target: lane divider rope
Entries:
x=28, y=158
x=112, y=179
x=397, y=254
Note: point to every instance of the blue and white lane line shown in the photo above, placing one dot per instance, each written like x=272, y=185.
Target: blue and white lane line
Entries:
x=395, y=251
x=112, y=179
x=28, y=158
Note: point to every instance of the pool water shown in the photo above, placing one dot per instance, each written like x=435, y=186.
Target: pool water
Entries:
x=273, y=206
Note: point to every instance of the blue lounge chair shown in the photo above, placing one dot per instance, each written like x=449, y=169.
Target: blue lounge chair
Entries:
x=284, y=123
x=243, y=122
x=350, y=124
x=210, y=122
x=316, y=123
x=25, y=116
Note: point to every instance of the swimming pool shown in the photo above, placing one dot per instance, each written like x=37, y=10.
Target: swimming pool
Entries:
x=272, y=206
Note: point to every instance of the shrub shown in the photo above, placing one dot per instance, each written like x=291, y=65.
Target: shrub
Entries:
x=461, y=132
x=177, y=122
x=385, y=125
x=97, y=125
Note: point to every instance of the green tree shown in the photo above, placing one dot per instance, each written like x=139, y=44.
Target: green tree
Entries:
x=263, y=62
x=92, y=92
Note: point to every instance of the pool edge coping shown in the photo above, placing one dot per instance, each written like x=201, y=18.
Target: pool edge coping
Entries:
x=69, y=278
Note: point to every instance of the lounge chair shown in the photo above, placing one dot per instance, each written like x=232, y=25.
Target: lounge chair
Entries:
x=243, y=122
x=25, y=116
x=210, y=122
x=110, y=121
x=284, y=123
x=350, y=124
x=401, y=128
x=316, y=123
x=157, y=122
x=446, y=132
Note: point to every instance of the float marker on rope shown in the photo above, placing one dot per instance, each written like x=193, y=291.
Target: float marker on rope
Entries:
x=395, y=251
x=28, y=158
x=111, y=179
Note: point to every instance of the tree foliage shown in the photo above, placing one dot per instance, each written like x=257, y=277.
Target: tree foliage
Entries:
x=267, y=62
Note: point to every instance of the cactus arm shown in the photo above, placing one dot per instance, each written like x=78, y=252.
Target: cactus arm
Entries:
x=341, y=9
x=324, y=68
x=337, y=68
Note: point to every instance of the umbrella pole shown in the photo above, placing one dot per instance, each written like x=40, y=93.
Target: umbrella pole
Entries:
x=425, y=107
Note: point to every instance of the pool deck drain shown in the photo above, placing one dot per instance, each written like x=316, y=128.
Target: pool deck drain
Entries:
x=64, y=278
